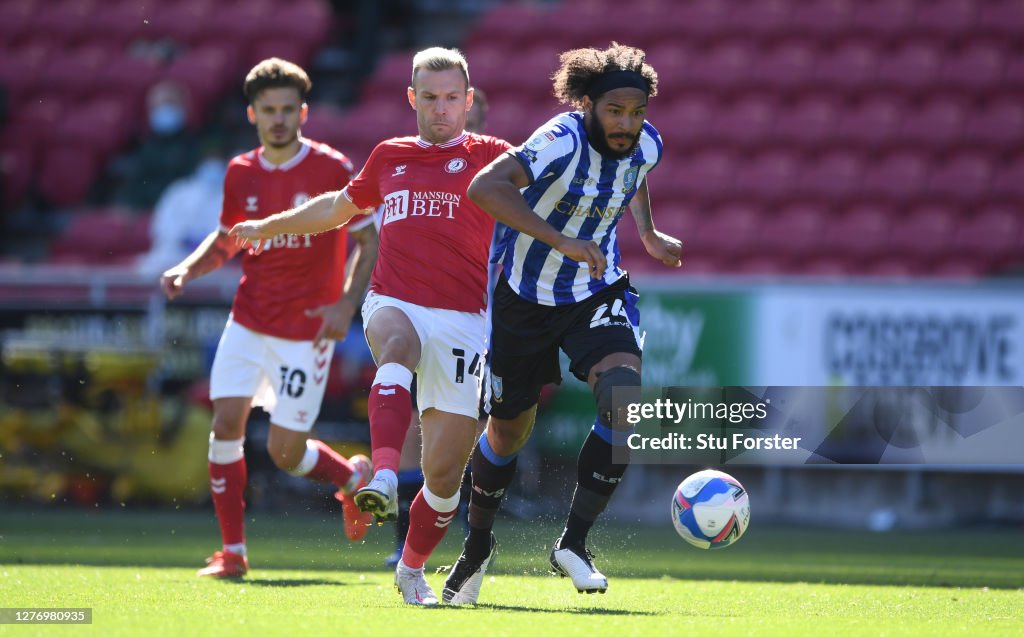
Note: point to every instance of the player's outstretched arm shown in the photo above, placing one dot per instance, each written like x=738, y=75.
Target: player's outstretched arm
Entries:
x=215, y=250
x=496, y=190
x=663, y=247
x=319, y=214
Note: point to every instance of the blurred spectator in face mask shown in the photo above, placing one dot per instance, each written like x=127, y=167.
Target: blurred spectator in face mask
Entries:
x=186, y=213
x=169, y=152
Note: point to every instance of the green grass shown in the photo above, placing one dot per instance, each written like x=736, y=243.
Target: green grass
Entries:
x=137, y=571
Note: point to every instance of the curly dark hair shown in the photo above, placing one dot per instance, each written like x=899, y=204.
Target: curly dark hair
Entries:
x=276, y=73
x=579, y=68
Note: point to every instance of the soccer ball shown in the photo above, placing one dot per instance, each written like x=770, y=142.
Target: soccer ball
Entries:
x=710, y=509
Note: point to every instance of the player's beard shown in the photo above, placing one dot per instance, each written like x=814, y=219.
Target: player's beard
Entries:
x=599, y=140
x=285, y=142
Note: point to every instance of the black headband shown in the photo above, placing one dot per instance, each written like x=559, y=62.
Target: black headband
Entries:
x=612, y=80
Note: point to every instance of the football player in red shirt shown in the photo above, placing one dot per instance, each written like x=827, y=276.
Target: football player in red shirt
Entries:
x=428, y=294
x=291, y=303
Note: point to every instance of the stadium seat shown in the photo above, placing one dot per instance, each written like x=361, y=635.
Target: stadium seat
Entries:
x=860, y=231
x=697, y=19
x=705, y=175
x=926, y=231
x=826, y=266
x=17, y=168
x=977, y=67
x=74, y=73
x=996, y=232
x=833, y=175
x=392, y=76
x=809, y=122
x=882, y=17
x=100, y=236
x=103, y=124
x=731, y=230
x=959, y=268
x=326, y=123
x=998, y=124
x=724, y=66
x=698, y=265
x=948, y=19
x=760, y=19
x=796, y=231
x=849, y=66
x=126, y=21
x=16, y=19
x=208, y=70
x=1009, y=179
x=690, y=115
x=894, y=268
x=62, y=20
x=760, y=266
x=19, y=74
x=910, y=65
x=785, y=66
x=872, y=121
x=185, y=21
x=1003, y=17
x=897, y=176
x=821, y=18
x=746, y=122
x=767, y=176
x=130, y=76
x=38, y=116
x=964, y=176
x=936, y=123
x=66, y=174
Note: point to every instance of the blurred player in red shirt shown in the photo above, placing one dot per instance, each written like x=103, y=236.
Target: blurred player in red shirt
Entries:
x=292, y=302
x=428, y=294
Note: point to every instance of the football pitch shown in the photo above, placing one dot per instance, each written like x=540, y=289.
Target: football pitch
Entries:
x=136, y=570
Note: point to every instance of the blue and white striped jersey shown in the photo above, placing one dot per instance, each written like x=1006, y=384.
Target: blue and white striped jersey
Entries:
x=581, y=194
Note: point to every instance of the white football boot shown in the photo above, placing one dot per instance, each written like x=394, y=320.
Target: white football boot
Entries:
x=463, y=583
x=379, y=497
x=577, y=564
x=413, y=586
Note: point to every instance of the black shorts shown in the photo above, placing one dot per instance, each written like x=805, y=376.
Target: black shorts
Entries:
x=526, y=337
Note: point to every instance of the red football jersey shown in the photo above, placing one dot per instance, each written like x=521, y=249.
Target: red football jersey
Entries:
x=295, y=272
x=434, y=241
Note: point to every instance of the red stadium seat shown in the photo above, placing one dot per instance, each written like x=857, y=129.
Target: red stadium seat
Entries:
x=761, y=19
x=860, y=231
x=691, y=116
x=925, y=232
x=850, y=66
x=883, y=17
x=936, y=123
x=130, y=76
x=787, y=65
x=947, y=19
x=103, y=124
x=1009, y=179
x=62, y=20
x=809, y=122
x=326, y=123
x=17, y=167
x=126, y=20
x=66, y=174
x=731, y=230
x=797, y=230
x=761, y=266
x=910, y=65
x=872, y=121
x=700, y=265
x=995, y=232
x=767, y=176
x=16, y=19
x=1013, y=77
x=893, y=268
x=1003, y=17
x=747, y=121
x=827, y=266
x=960, y=268
x=38, y=117
x=998, y=124
x=834, y=175
x=724, y=65
x=19, y=74
x=897, y=176
x=75, y=72
x=976, y=67
x=697, y=19
x=100, y=236
x=184, y=21
x=821, y=18
x=207, y=70
x=964, y=176
x=704, y=176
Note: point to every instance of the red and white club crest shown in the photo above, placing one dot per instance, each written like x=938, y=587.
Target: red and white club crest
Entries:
x=456, y=165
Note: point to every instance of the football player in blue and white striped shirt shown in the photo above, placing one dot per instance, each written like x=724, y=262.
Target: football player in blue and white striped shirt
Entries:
x=561, y=196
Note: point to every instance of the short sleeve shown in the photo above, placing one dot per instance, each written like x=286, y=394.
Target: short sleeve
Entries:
x=550, y=145
x=232, y=211
x=364, y=189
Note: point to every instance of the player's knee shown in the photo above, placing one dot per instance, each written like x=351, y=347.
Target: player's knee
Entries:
x=228, y=426
x=621, y=376
x=444, y=482
x=401, y=348
x=507, y=437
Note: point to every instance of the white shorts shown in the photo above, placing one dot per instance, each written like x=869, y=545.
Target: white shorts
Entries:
x=287, y=378
x=451, y=357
